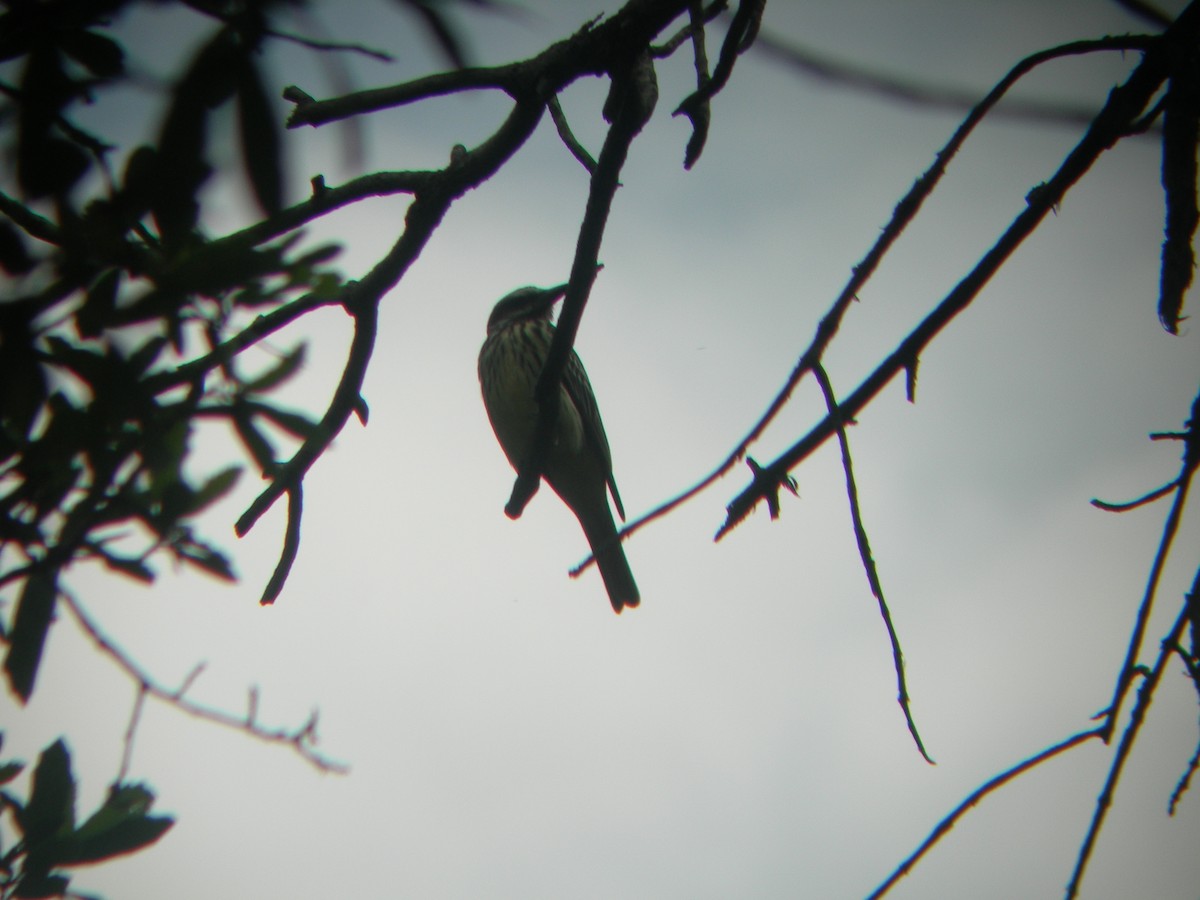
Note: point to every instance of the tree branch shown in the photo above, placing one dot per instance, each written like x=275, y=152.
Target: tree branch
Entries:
x=303, y=739
x=868, y=559
x=1125, y=104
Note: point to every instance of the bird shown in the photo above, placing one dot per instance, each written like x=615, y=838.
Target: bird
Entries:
x=578, y=466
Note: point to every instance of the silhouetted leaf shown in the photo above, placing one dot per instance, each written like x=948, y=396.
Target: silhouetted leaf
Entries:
x=182, y=167
x=144, y=356
x=214, y=489
x=1181, y=131
x=293, y=423
x=256, y=444
x=441, y=29
x=10, y=770
x=205, y=557
x=134, y=568
x=14, y=258
x=40, y=884
x=46, y=163
x=101, y=55
x=22, y=381
x=261, y=151
x=119, y=826
x=97, y=309
x=284, y=369
x=51, y=806
x=35, y=611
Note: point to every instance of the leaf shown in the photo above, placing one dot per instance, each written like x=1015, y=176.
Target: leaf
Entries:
x=10, y=770
x=51, y=806
x=214, y=489
x=14, y=257
x=130, y=566
x=22, y=377
x=144, y=356
x=261, y=152
x=35, y=611
x=46, y=164
x=443, y=32
x=256, y=444
x=119, y=826
x=39, y=884
x=205, y=557
x=287, y=366
x=293, y=423
x=182, y=167
x=100, y=55
x=101, y=301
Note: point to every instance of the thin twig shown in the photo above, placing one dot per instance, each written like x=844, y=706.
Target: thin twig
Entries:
x=896, y=88
x=314, y=44
x=904, y=212
x=568, y=137
x=1170, y=527
x=1124, y=105
x=1140, y=501
x=135, y=716
x=868, y=559
x=301, y=740
x=1128, y=736
x=959, y=811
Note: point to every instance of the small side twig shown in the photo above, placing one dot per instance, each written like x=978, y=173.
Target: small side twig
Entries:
x=568, y=137
x=135, y=717
x=1191, y=457
x=868, y=559
x=302, y=739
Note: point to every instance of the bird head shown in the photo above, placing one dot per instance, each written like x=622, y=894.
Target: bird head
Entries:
x=524, y=304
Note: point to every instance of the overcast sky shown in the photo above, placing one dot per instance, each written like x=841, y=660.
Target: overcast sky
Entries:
x=737, y=735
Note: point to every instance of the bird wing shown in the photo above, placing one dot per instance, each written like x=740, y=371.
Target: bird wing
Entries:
x=579, y=389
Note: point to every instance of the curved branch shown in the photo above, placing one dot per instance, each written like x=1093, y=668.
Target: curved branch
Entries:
x=302, y=739
x=904, y=212
x=1124, y=105
x=868, y=559
x=959, y=811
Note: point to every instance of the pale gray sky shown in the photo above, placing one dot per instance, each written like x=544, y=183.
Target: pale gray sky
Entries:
x=737, y=735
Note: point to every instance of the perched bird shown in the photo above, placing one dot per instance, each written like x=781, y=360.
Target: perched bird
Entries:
x=579, y=464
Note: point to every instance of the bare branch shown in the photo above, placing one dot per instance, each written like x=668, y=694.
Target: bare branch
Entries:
x=1124, y=105
x=630, y=104
x=1140, y=501
x=1191, y=457
x=959, y=811
x=868, y=559
x=904, y=212
x=568, y=137
x=302, y=740
x=1128, y=736
x=897, y=88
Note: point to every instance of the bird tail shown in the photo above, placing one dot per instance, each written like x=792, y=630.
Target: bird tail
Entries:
x=601, y=533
